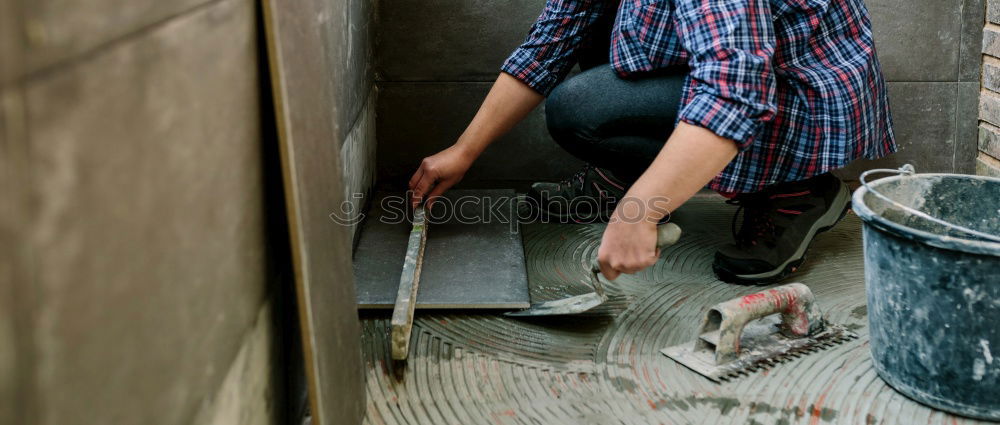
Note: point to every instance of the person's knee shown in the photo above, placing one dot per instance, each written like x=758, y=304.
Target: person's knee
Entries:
x=564, y=109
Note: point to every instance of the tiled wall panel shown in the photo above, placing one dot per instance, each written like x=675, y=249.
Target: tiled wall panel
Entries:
x=56, y=31
x=416, y=120
x=921, y=43
x=148, y=242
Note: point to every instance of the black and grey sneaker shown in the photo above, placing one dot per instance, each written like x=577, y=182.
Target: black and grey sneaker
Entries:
x=589, y=196
x=779, y=223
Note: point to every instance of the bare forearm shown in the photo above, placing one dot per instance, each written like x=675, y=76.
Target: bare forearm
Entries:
x=507, y=103
x=689, y=160
x=692, y=157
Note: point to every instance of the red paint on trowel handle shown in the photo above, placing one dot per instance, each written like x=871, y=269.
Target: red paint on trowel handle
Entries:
x=779, y=299
x=752, y=299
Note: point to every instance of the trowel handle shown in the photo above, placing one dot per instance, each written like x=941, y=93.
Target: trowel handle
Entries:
x=667, y=234
x=799, y=317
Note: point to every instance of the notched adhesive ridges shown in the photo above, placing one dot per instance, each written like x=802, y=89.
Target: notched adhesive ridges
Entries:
x=606, y=367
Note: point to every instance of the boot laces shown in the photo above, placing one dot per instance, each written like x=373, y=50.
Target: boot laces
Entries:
x=587, y=182
x=759, y=214
x=757, y=224
x=577, y=180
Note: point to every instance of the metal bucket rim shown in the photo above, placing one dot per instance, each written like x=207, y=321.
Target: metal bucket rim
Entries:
x=945, y=242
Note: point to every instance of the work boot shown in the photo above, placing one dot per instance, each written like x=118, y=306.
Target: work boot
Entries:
x=589, y=196
x=779, y=223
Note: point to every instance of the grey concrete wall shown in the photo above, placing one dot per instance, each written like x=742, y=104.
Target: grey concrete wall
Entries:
x=137, y=286
x=321, y=60
x=435, y=59
x=352, y=35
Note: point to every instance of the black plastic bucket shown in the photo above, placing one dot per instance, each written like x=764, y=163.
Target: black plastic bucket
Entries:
x=932, y=274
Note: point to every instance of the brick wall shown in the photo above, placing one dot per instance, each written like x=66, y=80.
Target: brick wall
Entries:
x=988, y=158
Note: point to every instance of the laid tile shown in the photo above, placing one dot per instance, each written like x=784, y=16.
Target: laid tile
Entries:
x=474, y=257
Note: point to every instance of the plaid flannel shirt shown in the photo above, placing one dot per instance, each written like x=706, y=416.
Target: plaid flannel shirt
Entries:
x=795, y=83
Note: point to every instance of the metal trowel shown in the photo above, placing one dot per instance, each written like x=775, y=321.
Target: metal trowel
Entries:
x=666, y=235
x=756, y=331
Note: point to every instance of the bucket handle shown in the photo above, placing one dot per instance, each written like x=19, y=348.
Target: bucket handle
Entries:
x=908, y=170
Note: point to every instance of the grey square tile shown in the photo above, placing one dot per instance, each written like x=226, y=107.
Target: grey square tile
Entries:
x=474, y=258
x=917, y=40
x=450, y=40
x=419, y=119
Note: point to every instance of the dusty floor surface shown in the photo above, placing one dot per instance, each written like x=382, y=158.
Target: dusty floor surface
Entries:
x=606, y=368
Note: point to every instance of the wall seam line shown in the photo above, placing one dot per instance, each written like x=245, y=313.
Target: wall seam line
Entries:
x=99, y=48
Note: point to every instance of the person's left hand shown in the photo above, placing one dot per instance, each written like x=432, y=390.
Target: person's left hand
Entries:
x=628, y=246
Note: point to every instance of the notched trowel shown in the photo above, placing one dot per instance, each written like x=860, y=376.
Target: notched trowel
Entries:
x=732, y=342
x=666, y=235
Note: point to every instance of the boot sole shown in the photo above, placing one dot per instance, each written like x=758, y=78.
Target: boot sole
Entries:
x=790, y=266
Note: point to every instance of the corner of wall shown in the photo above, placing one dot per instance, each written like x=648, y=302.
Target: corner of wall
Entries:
x=246, y=395
x=357, y=156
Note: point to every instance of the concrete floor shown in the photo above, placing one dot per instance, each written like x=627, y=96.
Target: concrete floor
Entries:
x=606, y=368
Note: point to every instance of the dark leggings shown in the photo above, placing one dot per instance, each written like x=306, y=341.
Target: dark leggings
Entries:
x=614, y=123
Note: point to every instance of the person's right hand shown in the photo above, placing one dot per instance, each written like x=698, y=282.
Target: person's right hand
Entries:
x=438, y=173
